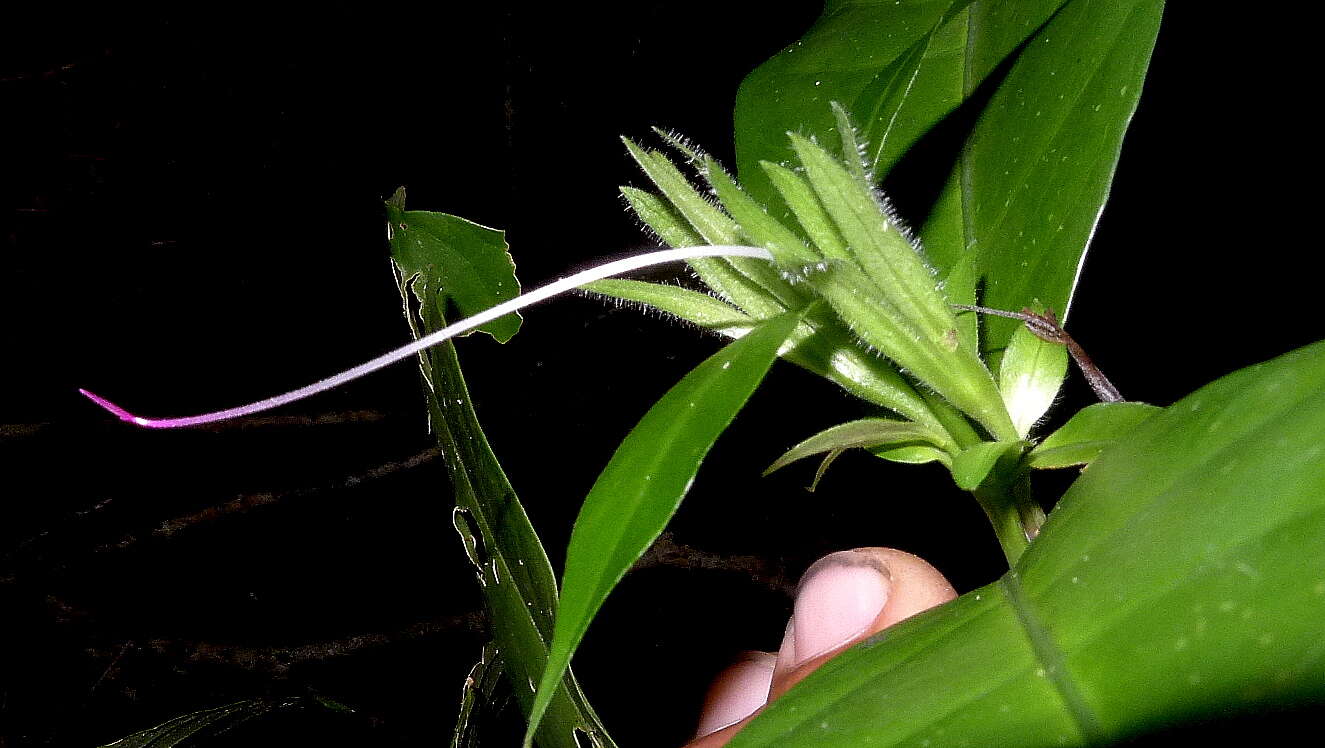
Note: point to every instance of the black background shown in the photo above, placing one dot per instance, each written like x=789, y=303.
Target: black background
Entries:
x=191, y=216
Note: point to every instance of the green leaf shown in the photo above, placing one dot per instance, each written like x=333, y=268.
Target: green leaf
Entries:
x=821, y=344
x=850, y=48
x=1033, y=176
x=1081, y=73
x=1089, y=432
x=516, y=579
x=450, y=259
x=913, y=454
x=881, y=103
x=1031, y=371
x=1178, y=580
x=866, y=432
x=189, y=728
x=681, y=144
x=897, y=67
x=201, y=727
x=476, y=695
x=972, y=465
x=645, y=481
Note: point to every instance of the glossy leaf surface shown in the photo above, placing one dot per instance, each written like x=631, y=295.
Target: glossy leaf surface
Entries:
x=476, y=695
x=646, y=479
x=852, y=47
x=456, y=260
x=513, y=570
x=972, y=465
x=913, y=454
x=1178, y=579
x=866, y=432
x=1086, y=434
x=1032, y=178
x=897, y=67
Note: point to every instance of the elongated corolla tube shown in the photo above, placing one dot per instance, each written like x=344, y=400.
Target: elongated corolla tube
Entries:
x=569, y=283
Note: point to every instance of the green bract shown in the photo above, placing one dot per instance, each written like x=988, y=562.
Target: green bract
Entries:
x=884, y=330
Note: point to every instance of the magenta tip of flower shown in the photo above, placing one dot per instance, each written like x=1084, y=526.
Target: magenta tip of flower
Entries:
x=118, y=412
x=542, y=293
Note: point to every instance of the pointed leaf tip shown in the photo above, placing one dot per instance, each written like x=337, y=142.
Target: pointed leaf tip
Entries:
x=644, y=483
x=864, y=433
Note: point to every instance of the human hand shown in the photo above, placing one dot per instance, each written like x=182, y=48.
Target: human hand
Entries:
x=843, y=598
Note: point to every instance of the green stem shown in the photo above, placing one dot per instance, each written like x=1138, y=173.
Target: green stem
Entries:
x=1012, y=510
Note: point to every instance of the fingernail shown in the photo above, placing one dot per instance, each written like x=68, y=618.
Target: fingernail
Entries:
x=838, y=599
x=787, y=651
x=737, y=692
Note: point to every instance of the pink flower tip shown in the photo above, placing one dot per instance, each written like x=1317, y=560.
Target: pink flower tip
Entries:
x=119, y=412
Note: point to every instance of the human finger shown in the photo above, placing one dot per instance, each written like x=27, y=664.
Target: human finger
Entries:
x=737, y=691
x=848, y=596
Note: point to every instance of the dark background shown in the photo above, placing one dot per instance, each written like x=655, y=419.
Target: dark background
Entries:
x=191, y=215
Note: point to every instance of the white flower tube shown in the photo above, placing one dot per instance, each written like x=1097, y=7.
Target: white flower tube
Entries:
x=543, y=293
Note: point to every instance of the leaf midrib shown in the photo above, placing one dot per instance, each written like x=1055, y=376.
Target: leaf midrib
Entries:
x=1052, y=660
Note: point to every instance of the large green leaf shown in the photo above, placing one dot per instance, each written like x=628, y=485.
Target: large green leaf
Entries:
x=852, y=47
x=514, y=573
x=1181, y=578
x=1032, y=178
x=646, y=479
x=897, y=67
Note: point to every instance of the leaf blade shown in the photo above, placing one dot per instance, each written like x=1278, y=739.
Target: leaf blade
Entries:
x=645, y=481
x=972, y=465
x=865, y=433
x=1089, y=432
x=1031, y=182
x=455, y=259
x=518, y=584
x=183, y=729
x=1127, y=586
